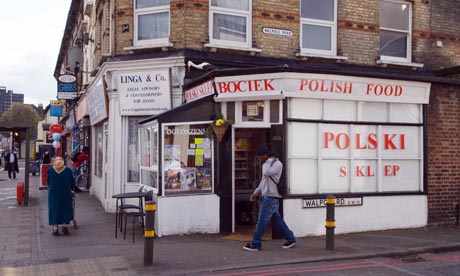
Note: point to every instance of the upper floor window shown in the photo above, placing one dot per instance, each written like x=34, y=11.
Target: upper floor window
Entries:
x=395, y=30
x=230, y=23
x=318, y=19
x=151, y=21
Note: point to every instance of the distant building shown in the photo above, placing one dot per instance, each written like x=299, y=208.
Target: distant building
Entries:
x=7, y=97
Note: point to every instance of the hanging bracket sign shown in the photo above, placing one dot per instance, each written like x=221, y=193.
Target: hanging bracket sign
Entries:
x=67, y=87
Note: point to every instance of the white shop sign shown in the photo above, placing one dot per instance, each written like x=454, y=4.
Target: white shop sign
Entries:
x=144, y=93
x=321, y=86
x=321, y=202
x=96, y=105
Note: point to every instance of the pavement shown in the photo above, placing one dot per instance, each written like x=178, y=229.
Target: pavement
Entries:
x=28, y=248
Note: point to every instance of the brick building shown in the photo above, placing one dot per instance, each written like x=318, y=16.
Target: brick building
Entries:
x=133, y=65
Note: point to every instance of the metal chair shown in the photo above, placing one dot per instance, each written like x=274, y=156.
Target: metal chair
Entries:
x=140, y=213
x=124, y=206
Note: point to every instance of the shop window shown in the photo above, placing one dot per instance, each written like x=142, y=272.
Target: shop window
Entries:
x=133, y=149
x=151, y=21
x=187, y=159
x=148, y=152
x=383, y=153
x=395, y=30
x=98, y=163
x=318, y=19
x=230, y=23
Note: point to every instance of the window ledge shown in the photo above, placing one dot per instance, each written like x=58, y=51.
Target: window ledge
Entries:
x=163, y=46
x=384, y=63
x=214, y=47
x=307, y=55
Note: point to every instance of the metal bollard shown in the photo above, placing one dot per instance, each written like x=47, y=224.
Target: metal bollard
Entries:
x=149, y=232
x=330, y=222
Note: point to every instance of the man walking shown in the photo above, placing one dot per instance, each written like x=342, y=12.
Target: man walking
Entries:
x=272, y=169
x=11, y=163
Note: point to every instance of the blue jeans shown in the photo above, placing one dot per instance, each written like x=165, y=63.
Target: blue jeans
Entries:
x=269, y=210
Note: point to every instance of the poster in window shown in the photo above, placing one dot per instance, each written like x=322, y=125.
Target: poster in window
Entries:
x=203, y=179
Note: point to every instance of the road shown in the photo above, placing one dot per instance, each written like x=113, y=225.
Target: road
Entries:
x=446, y=264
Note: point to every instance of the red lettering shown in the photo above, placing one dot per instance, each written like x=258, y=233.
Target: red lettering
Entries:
x=268, y=85
x=395, y=169
x=358, y=142
x=346, y=141
x=389, y=143
x=387, y=171
x=348, y=87
x=372, y=138
x=303, y=83
x=328, y=137
x=223, y=88
x=359, y=171
x=343, y=171
x=387, y=90
x=311, y=87
x=364, y=171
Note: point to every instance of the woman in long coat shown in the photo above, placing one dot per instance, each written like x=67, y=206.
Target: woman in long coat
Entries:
x=60, y=183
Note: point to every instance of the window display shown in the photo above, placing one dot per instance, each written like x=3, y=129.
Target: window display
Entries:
x=187, y=159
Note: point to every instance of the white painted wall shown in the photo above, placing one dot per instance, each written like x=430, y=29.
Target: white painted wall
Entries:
x=187, y=215
x=376, y=213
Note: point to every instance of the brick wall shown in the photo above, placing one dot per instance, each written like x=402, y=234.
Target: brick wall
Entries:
x=357, y=32
x=443, y=114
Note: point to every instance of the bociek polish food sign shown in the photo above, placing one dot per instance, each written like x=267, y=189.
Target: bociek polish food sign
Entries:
x=321, y=86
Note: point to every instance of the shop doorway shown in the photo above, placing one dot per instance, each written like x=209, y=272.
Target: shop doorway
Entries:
x=246, y=177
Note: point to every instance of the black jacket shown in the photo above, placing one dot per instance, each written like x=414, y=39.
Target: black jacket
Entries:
x=11, y=166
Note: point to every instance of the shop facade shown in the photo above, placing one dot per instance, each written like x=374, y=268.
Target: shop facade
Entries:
x=122, y=94
x=360, y=139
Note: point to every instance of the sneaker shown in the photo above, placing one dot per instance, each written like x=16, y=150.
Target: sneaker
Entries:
x=288, y=245
x=250, y=247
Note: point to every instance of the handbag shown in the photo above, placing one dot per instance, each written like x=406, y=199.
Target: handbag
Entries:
x=277, y=186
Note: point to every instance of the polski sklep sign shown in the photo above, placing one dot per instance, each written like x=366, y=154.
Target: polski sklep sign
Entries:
x=67, y=87
x=145, y=92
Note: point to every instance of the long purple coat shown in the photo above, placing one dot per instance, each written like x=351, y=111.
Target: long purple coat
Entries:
x=60, y=186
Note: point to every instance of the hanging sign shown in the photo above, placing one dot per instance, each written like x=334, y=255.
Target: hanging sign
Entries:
x=55, y=108
x=67, y=87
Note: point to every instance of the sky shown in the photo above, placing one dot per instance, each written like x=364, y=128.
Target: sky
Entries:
x=30, y=38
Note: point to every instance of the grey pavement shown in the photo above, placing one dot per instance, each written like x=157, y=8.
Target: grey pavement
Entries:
x=28, y=248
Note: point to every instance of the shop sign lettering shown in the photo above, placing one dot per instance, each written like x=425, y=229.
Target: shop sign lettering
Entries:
x=340, y=202
x=192, y=131
x=144, y=93
x=369, y=141
x=199, y=91
x=323, y=87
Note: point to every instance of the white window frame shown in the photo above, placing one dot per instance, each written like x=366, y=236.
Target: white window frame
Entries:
x=322, y=23
x=408, y=33
x=239, y=115
x=151, y=10
x=153, y=155
x=233, y=12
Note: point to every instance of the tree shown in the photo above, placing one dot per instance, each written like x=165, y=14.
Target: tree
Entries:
x=20, y=112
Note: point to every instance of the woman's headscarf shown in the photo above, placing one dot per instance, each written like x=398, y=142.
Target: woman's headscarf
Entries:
x=58, y=163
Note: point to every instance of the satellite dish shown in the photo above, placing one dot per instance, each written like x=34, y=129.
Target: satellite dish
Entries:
x=75, y=58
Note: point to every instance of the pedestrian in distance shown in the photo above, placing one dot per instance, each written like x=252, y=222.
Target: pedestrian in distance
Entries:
x=60, y=184
x=269, y=195
x=11, y=164
x=46, y=157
